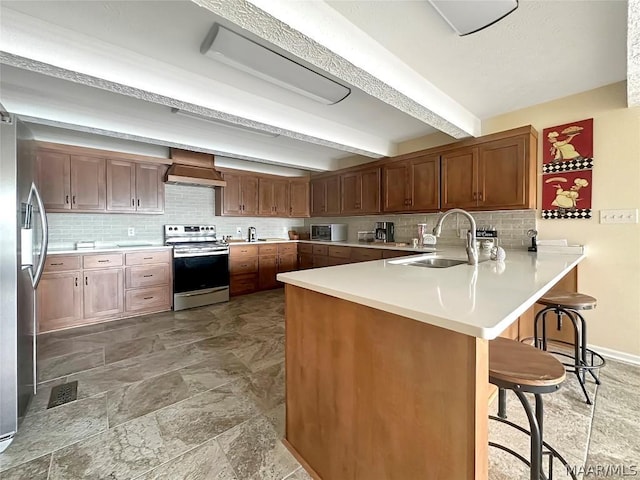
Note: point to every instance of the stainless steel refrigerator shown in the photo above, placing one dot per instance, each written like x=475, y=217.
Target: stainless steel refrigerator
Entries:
x=23, y=246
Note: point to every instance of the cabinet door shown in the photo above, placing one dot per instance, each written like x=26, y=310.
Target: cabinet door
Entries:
x=265, y=194
x=351, y=194
x=267, y=268
x=149, y=188
x=395, y=178
x=425, y=183
x=103, y=293
x=88, y=179
x=287, y=263
x=53, y=171
x=370, y=191
x=502, y=175
x=249, y=190
x=299, y=198
x=333, y=195
x=305, y=261
x=59, y=301
x=459, y=178
x=231, y=195
x=281, y=198
x=121, y=186
x=318, y=197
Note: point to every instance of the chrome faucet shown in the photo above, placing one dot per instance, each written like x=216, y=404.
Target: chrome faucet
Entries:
x=472, y=248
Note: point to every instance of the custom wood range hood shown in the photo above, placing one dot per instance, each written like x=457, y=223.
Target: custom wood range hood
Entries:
x=193, y=168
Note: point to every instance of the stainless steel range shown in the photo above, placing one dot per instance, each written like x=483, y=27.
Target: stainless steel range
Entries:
x=200, y=265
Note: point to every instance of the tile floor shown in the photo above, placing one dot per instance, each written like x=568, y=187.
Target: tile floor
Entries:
x=199, y=394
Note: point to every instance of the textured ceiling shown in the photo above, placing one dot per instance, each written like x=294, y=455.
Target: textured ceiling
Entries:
x=409, y=72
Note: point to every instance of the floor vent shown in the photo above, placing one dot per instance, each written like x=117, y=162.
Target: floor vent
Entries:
x=61, y=394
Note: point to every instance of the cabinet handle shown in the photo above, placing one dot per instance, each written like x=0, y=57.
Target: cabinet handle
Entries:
x=66, y=199
x=148, y=258
x=133, y=202
x=290, y=210
x=104, y=261
x=76, y=281
x=147, y=298
x=138, y=202
x=52, y=264
x=86, y=280
x=73, y=199
x=480, y=196
x=147, y=276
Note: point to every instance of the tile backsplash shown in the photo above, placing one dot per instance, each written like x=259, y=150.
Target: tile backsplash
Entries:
x=511, y=225
x=183, y=205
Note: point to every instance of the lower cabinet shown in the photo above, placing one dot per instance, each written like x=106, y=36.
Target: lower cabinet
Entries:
x=254, y=267
x=78, y=290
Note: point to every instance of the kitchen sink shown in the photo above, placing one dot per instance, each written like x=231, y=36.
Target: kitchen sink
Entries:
x=436, y=263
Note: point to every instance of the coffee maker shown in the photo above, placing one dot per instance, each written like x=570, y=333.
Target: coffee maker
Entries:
x=384, y=232
x=252, y=237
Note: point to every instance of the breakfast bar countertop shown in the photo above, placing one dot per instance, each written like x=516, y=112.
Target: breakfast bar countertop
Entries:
x=478, y=301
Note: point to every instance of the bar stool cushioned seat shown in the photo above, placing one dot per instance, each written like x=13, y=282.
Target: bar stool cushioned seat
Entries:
x=524, y=369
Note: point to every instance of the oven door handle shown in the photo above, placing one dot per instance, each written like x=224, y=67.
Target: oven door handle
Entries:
x=202, y=254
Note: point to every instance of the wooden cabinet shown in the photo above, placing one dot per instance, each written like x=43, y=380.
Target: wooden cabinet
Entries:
x=267, y=270
x=412, y=185
x=365, y=254
x=103, y=292
x=59, y=300
x=135, y=187
x=71, y=182
x=239, y=197
x=273, y=197
x=305, y=256
x=493, y=175
x=243, y=269
x=325, y=196
x=299, y=198
x=360, y=192
x=77, y=290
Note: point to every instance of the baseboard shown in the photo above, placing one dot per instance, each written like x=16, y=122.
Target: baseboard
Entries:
x=616, y=355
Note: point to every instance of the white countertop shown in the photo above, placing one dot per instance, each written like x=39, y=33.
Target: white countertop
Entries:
x=103, y=249
x=479, y=301
x=382, y=246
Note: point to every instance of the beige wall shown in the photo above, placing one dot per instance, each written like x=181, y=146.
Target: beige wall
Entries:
x=611, y=272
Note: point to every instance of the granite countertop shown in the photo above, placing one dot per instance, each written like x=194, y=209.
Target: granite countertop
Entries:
x=102, y=248
x=478, y=301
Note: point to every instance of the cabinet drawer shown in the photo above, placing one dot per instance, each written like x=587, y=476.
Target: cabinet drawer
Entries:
x=153, y=298
x=141, y=258
x=340, y=252
x=61, y=263
x=146, y=276
x=365, y=254
x=305, y=248
x=102, y=261
x=247, y=265
x=396, y=253
x=242, y=251
x=287, y=248
x=243, y=284
x=270, y=249
x=321, y=249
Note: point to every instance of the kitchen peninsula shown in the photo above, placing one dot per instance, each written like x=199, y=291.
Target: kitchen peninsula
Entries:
x=387, y=363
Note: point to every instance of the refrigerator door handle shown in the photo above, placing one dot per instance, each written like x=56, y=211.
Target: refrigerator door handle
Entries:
x=37, y=274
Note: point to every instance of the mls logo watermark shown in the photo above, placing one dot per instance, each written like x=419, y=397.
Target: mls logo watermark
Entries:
x=605, y=470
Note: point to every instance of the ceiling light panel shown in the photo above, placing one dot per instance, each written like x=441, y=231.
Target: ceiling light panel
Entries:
x=239, y=52
x=222, y=123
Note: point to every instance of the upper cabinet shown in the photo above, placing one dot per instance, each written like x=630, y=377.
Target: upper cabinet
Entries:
x=71, y=182
x=135, y=187
x=252, y=194
x=493, y=175
x=360, y=192
x=412, y=185
x=93, y=184
x=325, y=196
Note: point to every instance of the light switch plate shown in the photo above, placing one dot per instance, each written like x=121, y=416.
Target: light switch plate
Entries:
x=619, y=216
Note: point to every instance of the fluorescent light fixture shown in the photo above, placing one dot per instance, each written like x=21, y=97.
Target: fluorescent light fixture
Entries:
x=223, y=123
x=470, y=16
x=239, y=52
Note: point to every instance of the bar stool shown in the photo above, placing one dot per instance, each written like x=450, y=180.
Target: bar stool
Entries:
x=583, y=359
x=522, y=369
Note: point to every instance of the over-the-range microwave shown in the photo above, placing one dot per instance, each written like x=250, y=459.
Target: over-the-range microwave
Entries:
x=330, y=232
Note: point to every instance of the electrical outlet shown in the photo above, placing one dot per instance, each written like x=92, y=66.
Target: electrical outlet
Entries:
x=619, y=216
x=131, y=231
x=239, y=231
